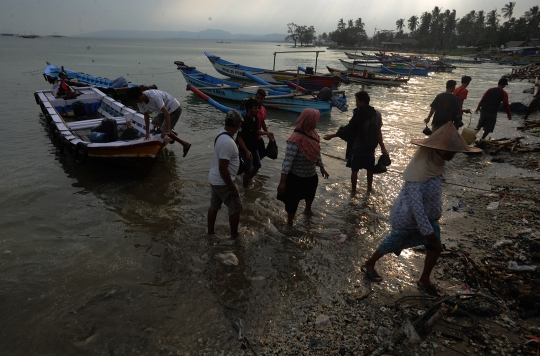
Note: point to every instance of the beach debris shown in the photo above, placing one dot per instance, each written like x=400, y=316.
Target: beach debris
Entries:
x=228, y=258
x=322, y=321
x=502, y=243
x=493, y=205
x=410, y=332
x=513, y=266
x=341, y=238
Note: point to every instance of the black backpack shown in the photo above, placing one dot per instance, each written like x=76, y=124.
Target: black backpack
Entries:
x=110, y=127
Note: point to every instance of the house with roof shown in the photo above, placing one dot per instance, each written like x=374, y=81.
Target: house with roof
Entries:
x=400, y=44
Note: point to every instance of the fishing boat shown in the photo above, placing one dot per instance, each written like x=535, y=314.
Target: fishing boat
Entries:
x=359, y=66
x=367, y=77
x=284, y=100
x=114, y=88
x=404, y=69
x=308, y=80
x=71, y=122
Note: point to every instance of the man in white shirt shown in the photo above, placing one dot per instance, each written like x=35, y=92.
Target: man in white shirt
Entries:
x=225, y=164
x=169, y=112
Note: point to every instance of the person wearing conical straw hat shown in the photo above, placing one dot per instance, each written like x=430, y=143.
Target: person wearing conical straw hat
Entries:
x=418, y=207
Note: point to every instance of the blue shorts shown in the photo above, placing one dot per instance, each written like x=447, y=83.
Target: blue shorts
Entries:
x=255, y=161
x=400, y=239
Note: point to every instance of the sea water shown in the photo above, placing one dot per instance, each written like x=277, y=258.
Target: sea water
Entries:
x=95, y=259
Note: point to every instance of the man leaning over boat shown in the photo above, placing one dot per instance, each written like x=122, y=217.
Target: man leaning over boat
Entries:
x=169, y=112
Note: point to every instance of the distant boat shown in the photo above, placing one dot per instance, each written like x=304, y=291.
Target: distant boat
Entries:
x=403, y=69
x=8, y=34
x=80, y=79
x=308, y=81
x=29, y=36
x=359, y=66
x=367, y=77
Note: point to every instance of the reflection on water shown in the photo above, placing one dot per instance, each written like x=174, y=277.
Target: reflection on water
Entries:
x=129, y=254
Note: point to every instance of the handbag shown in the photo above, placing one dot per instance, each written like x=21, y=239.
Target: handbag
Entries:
x=380, y=167
x=271, y=149
x=427, y=131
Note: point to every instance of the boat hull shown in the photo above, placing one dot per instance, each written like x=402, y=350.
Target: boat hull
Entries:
x=235, y=92
x=366, y=78
x=361, y=66
x=312, y=82
x=74, y=134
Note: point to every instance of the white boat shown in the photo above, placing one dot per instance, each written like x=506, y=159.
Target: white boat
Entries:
x=70, y=123
x=358, y=66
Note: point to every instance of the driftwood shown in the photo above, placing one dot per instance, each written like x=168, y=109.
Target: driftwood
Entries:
x=497, y=145
x=528, y=72
x=529, y=124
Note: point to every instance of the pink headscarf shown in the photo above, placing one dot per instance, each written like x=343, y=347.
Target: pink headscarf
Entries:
x=305, y=135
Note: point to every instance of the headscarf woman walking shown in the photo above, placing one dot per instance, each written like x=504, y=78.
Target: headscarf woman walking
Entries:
x=299, y=178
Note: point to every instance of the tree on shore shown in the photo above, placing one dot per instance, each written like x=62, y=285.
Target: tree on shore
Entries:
x=293, y=34
x=351, y=33
x=508, y=10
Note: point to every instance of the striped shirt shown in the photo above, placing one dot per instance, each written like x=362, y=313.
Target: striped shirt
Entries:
x=297, y=163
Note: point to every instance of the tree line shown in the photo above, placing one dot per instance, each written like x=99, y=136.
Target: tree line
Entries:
x=435, y=30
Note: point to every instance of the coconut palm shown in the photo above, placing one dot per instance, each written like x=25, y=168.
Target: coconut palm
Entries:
x=508, y=10
x=492, y=19
x=358, y=23
x=400, y=24
x=413, y=23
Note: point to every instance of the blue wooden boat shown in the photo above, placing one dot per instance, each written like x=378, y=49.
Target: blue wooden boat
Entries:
x=404, y=70
x=308, y=81
x=291, y=101
x=110, y=87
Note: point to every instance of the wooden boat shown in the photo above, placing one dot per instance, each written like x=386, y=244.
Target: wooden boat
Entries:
x=73, y=131
x=404, y=69
x=76, y=79
x=291, y=101
x=359, y=66
x=308, y=81
x=366, y=77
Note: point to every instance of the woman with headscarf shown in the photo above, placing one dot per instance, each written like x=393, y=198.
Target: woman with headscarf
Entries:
x=418, y=207
x=299, y=178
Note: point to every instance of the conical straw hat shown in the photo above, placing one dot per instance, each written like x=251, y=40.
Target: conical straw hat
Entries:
x=446, y=138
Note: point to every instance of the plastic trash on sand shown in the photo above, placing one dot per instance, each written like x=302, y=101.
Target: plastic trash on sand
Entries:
x=502, y=243
x=341, y=238
x=410, y=332
x=513, y=266
x=228, y=258
x=458, y=289
x=322, y=321
x=493, y=205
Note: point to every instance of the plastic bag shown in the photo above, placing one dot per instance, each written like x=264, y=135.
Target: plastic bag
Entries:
x=271, y=149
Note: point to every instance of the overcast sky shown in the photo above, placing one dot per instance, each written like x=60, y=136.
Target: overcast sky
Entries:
x=47, y=17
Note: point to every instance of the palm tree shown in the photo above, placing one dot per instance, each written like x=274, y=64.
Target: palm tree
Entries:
x=508, y=10
x=413, y=23
x=341, y=24
x=350, y=23
x=358, y=23
x=492, y=19
x=400, y=24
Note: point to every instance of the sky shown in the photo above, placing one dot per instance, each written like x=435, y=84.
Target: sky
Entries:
x=73, y=17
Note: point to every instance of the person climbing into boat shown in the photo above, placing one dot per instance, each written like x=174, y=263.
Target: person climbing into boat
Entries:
x=489, y=105
x=169, y=112
x=418, y=207
x=445, y=108
x=261, y=116
x=461, y=93
x=62, y=89
x=247, y=140
x=363, y=135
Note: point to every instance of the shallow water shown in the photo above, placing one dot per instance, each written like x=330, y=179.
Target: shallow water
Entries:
x=95, y=259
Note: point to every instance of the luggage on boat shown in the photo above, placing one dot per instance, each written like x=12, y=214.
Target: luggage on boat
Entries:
x=109, y=127
x=79, y=109
x=98, y=137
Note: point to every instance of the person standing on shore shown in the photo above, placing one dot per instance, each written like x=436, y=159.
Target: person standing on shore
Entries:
x=247, y=140
x=169, y=112
x=418, y=207
x=489, y=105
x=445, y=106
x=261, y=116
x=363, y=135
x=299, y=177
x=461, y=93
x=225, y=164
